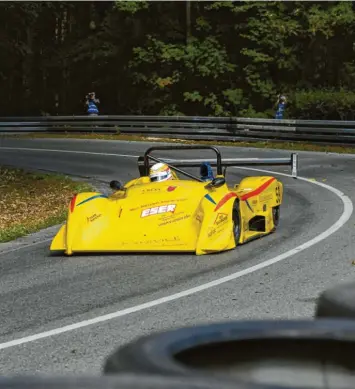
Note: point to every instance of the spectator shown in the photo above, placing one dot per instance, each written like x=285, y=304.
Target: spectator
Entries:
x=91, y=102
x=281, y=104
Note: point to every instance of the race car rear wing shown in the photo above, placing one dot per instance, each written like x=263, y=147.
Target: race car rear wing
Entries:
x=148, y=160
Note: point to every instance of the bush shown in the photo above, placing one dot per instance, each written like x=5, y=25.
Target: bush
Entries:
x=323, y=104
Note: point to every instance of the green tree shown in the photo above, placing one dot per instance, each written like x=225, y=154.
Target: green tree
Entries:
x=218, y=58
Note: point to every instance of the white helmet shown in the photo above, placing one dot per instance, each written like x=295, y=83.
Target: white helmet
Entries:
x=160, y=172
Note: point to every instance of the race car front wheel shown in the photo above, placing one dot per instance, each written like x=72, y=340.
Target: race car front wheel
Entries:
x=236, y=221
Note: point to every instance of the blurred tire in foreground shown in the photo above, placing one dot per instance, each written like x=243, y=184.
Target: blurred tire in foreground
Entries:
x=337, y=302
x=124, y=381
x=291, y=354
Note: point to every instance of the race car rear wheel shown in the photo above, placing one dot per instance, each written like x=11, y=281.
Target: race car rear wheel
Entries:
x=237, y=224
x=276, y=215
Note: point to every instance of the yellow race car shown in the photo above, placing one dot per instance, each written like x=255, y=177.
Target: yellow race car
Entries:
x=200, y=214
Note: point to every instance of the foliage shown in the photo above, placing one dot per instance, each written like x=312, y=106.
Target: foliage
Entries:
x=131, y=6
x=230, y=58
x=324, y=104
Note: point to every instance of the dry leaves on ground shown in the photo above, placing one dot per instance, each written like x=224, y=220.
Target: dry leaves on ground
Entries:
x=28, y=200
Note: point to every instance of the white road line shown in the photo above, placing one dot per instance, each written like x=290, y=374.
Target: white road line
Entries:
x=23, y=246
x=347, y=212
x=69, y=151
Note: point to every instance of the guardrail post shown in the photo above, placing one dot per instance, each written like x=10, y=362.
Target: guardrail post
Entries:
x=294, y=163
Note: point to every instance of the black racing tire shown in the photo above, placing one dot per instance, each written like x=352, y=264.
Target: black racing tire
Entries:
x=283, y=354
x=276, y=215
x=124, y=381
x=337, y=302
x=237, y=222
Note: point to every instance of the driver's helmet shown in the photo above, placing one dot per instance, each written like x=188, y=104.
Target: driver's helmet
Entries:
x=160, y=172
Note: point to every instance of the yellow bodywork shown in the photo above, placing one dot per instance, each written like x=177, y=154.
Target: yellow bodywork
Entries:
x=173, y=216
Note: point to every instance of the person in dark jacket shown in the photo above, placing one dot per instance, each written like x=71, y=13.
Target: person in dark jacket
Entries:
x=281, y=105
x=91, y=102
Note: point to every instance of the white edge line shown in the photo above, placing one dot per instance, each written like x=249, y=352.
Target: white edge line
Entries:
x=347, y=212
x=69, y=151
x=23, y=246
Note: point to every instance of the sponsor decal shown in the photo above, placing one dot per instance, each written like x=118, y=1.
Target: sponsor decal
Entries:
x=150, y=190
x=159, y=202
x=218, y=225
x=166, y=242
x=170, y=221
x=221, y=219
x=171, y=188
x=150, y=204
x=266, y=197
x=199, y=218
x=93, y=217
x=167, y=216
x=156, y=203
x=212, y=232
x=158, y=210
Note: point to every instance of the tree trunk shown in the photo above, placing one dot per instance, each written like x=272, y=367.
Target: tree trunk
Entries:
x=188, y=21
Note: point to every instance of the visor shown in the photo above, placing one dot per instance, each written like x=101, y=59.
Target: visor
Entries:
x=160, y=177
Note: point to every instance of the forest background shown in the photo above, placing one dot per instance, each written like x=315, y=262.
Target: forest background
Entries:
x=216, y=58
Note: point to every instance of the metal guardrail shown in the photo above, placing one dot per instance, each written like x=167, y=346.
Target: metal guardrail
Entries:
x=189, y=127
x=146, y=161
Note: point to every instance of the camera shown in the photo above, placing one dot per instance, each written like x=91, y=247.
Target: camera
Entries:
x=90, y=96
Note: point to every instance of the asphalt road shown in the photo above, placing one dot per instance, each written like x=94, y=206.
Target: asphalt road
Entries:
x=39, y=293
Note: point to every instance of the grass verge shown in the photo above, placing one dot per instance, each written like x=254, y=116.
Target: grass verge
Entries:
x=297, y=146
x=32, y=201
